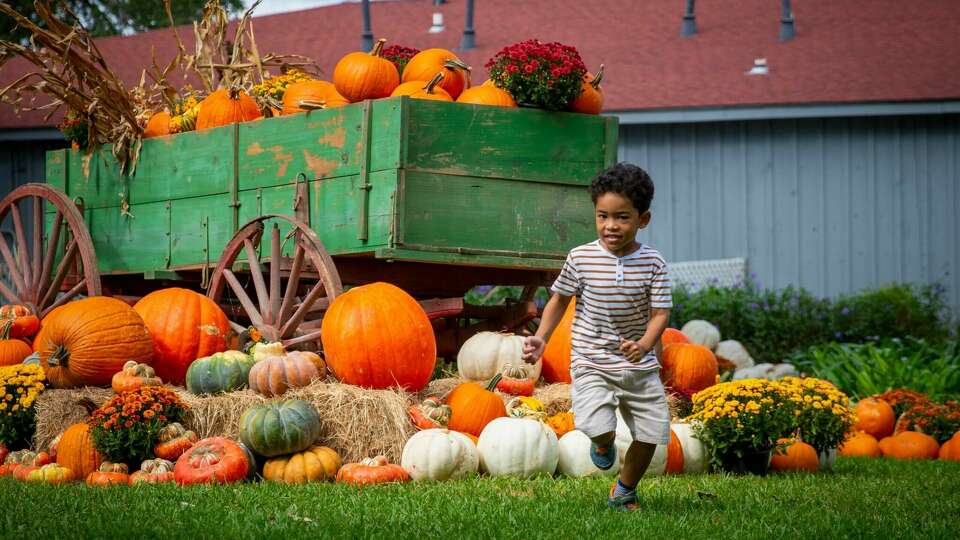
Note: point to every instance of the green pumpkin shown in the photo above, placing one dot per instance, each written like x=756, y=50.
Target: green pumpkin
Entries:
x=221, y=372
x=279, y=428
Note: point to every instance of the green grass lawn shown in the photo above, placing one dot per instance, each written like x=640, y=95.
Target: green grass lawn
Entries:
x=861, y=499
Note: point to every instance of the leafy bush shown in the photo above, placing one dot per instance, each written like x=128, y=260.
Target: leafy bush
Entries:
x=862, y=370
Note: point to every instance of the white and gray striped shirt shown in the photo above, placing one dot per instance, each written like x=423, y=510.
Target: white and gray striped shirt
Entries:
x=614, y=298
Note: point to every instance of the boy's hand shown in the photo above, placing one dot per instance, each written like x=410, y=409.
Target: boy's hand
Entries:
x=533, y=349
x=633, y=350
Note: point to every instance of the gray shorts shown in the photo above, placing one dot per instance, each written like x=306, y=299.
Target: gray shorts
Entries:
x=639, y=394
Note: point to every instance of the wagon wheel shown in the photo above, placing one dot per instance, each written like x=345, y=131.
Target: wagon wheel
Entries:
x=28, y=264
x=289, y=307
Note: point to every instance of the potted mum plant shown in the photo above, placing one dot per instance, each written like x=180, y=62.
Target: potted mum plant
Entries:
x=822, y=415
x=125, y=429
x=546, y=75
x=739, y=423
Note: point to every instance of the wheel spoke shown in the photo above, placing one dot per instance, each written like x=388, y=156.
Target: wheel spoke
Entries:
x=62, y=269
x=273, y=315
x=52, y=244
x=302, y=309
x=293, y=282
x=257, y=273
x=237, y=328
x=22, y=253
x=5, y=291
x=37, y=244
x=12, y=265
x=241, y=295
x=75, y=290
x=312, y=336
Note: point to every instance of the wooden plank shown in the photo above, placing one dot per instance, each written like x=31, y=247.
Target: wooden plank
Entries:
x=189, y=238
x=335, y=214
x=457, y=259
x=129, y=245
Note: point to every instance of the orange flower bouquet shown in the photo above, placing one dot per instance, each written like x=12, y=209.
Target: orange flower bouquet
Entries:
x=125, y=428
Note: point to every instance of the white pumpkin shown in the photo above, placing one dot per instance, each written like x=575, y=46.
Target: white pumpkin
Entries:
x=733, y=351
x=518, y=447
x=702, y=333
x=694, y=457
x=575, y=457
x=439, y=454
x=765, y=370
x=485, y=354
x=658, y=464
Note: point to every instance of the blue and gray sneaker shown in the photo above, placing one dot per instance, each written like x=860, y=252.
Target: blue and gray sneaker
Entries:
x=622, y=503
x=603, y=456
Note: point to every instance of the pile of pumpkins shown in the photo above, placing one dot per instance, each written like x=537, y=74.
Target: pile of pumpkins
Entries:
x=432, y=74
x=877, y=434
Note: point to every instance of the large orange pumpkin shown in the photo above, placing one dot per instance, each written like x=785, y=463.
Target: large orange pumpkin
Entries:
x=425, y=64
x=671, y=336
x=159, y=124
x=590, y=100
x=306, y=95
x=226, y=107
x=799, y=456
x=910, y=445
x=689, y=368
x=472, y=406
x=951, y=449
x=487, y=95
x=423, y=90
x=359, y=76
x=874, y=416
x=674, y=455
x=378, y=336
x=84, y=343
x=76, y=452
x=861, y=444
x=13, y=351
x=556, y=355
x=185, y=325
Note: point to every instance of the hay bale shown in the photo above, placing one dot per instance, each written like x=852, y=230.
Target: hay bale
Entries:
x=555, y=397
x=59, y=409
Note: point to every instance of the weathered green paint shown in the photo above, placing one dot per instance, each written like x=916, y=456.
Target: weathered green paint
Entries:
x=449, y=183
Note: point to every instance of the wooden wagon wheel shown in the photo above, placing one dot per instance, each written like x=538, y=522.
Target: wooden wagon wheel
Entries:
x=29, y=265
x=288, y=312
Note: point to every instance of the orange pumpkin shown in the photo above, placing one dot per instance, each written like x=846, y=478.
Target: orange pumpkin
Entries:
x=173, y=440
x=185, y=325
x=425, y=64
x=798, y=456
x=861, y=444
x=671, y=336
x=561, y=423
x=590, y=100
x=13, y=351
x=158, y=125
x=359, y=76
x=950, y=450
x=487, y=94
x=83, y=343
x=874, y=416
x=360, y=352
x=674, y=455
x=134, y=376
x=18, y=322
x=910, y=445
x=109, y=474
x=517, y=380
x=76, y=452
x=225, y=107
x=377, y=470
x=556, y=355
x=472, y=406
x=153, y=471
x=423, y=90
x=689, y=368
x=307, y=95
x=274, y=375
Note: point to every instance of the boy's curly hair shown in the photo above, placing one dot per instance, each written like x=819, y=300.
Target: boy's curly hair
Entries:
x=628, y=180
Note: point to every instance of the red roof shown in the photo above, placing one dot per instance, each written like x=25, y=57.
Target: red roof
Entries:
x=844, y=52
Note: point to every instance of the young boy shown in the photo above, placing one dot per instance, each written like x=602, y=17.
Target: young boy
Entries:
x=623, y=305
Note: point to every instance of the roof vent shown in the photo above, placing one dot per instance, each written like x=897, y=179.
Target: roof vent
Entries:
x=787, y=31
x=759, y=67
x=437, y=24
x=689, y=27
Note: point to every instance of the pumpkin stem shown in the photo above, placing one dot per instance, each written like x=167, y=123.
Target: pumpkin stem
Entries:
x=5, y=328
x=595, y=83
x=433, y=82
x=377, y=49
x=234, y=92
x=493, y=382
x=310, y=105
x=456, y=63
x=59, y=357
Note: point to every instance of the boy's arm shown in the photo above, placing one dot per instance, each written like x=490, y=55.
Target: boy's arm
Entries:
x=636, y=350
x=552, y=313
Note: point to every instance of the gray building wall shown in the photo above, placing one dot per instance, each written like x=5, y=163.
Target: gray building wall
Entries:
x=833, y=205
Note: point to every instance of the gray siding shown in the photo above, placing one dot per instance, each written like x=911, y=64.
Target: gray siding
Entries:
x=22, y=162
x=833, y=205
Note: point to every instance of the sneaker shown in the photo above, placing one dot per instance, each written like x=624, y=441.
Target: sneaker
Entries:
x=603, y=458
x=623, y=503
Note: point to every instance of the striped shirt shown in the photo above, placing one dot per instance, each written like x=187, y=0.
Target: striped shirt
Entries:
x=614, y=298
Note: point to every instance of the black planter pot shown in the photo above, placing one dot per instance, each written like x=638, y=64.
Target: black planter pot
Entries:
x=753, y=462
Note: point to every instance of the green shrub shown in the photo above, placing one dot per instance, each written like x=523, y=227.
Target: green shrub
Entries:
x=862, y=370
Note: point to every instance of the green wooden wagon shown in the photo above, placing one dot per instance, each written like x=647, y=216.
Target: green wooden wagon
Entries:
x=272, y=218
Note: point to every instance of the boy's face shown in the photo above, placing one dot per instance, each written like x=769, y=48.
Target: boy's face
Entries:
x=618, y=222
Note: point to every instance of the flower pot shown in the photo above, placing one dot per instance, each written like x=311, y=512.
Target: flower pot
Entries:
x=827, y=459
x=753, y=462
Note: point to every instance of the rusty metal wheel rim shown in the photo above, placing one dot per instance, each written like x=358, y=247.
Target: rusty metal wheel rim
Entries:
x=275, y=313
x=35, y=282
